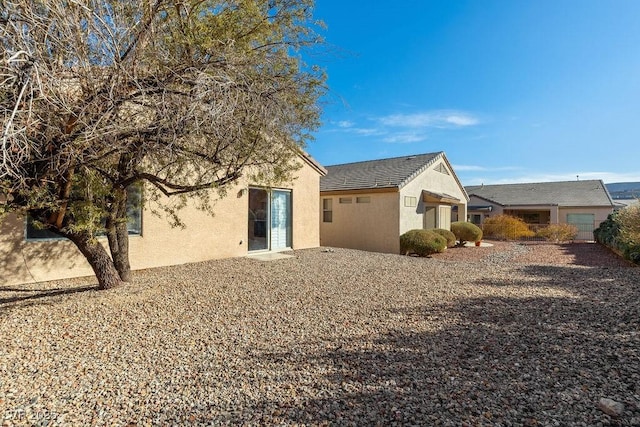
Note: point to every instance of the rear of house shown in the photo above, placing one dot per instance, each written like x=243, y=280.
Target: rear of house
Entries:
x=368, y=205
x=584, y=204
x=250, y=219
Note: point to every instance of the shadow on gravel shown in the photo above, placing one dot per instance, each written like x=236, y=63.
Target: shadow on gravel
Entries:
x=585, y=254
x=22, y=297
x=481, y=361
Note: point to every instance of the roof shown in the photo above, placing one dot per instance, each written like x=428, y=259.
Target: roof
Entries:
x=373, y=174
x=563, y=193
x=313, y=162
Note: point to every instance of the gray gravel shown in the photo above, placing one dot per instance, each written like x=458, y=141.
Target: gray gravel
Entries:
x=343, y=338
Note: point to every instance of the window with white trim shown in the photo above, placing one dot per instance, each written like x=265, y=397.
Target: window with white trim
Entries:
x=327, y=210
x=410, y=201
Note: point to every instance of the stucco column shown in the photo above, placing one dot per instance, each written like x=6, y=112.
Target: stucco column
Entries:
x=554, y=212
x=462, y=212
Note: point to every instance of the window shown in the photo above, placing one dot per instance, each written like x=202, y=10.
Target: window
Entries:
x=134, y=210
x=327, y=210
x=34, y=233
x=410, y=201
x=363, y=199
x=134, y=218
x=345, y=200
x=475, y=218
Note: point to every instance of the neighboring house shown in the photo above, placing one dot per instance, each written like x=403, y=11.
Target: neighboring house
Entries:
x=250, y=219
x=368, y=205
x=582, y=203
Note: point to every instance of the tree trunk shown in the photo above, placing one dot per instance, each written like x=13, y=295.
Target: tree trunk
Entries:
x=118, y=235
x=102, y=265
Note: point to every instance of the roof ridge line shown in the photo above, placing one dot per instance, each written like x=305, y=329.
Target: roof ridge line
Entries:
x=386, y=158
x=421, y=169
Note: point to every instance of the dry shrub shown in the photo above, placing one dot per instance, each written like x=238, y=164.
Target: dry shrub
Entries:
x=629, y=220
x=506, y=227
x=558, y=232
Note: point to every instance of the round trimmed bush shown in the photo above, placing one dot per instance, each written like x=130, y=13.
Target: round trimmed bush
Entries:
x=447, y=234
x=421, y=242
x=466, y=232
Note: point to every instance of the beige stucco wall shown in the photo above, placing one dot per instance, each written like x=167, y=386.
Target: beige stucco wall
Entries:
x=306, y=208
x=368, y=226
x=204, y=237
x=434, y=181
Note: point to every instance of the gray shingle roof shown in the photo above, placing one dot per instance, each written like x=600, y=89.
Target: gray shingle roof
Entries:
x=563, y=193
x=383, y=173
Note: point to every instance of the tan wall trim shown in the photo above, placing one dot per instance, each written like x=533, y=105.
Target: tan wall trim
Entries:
x=360, y=191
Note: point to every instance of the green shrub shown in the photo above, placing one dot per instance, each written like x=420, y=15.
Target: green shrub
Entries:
x=421, y=242
x=558, y=232
x=447, y=234
x=632, y=253
x=466, y=232
x=506, y=227
x=608, y=233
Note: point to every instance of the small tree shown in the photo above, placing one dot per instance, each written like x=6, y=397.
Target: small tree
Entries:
x=506, y=227
x=186, y=96
x=466, y=232
x=558, y=232
x=421, y=242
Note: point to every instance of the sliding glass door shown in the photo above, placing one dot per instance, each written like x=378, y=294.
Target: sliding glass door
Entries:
x=269, y=219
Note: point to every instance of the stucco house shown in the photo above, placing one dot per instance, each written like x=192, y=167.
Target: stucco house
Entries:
x=368, y=205
x=250, y=219
x=582, y=203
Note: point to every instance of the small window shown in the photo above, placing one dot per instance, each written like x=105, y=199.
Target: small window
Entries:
x=363, y=199
x=345, y=200
x=410, y=201
x=327, y=210
x=134, y=210
x=475, y=218
x=35, y=233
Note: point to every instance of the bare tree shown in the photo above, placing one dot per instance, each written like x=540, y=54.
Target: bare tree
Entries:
x=185, y=95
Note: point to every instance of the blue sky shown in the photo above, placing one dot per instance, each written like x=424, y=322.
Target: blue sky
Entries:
x=511, y=90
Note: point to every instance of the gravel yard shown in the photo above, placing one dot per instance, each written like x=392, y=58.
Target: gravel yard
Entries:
x=503, y=335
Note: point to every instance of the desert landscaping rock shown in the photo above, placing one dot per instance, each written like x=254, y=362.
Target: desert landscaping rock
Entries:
x=611, y=407
x=508, y=335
